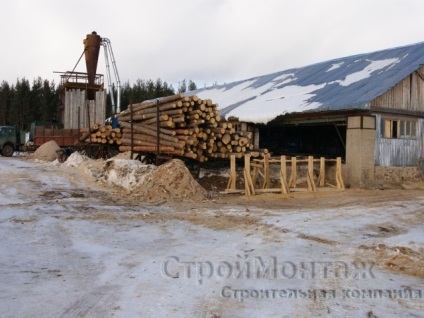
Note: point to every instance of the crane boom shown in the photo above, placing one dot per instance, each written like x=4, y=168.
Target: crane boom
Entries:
x=109, y=54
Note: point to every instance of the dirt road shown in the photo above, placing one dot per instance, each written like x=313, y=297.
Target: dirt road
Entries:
x=72, y=249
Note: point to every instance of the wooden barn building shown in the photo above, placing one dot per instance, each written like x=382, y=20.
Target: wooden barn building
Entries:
x=366, y=108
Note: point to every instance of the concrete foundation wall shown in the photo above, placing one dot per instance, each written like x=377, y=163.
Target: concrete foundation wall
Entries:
x=397, y=175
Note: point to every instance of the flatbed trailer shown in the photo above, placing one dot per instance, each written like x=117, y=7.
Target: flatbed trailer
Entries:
x=63, y=137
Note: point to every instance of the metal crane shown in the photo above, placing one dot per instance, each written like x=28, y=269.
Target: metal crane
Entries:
x=109, y=54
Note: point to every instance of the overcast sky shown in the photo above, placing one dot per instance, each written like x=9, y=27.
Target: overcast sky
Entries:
x=206, y=41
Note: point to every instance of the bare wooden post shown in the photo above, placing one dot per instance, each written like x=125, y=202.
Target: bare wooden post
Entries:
x=132, y=131
x=261, y=173
x=321, y=177
x=339, y=178
x=293, y=175
x=256, y=167
x=157, y=132
x=283, y=176
x=233, y=175
x=266, y=173
x=79, y=123
x=87, y=104
x=310, y=174
x=248, y=183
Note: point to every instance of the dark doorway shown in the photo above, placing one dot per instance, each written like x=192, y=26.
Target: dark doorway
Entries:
x=326, y=140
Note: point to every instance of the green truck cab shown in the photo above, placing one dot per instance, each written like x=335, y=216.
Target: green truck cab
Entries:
x=9, y=140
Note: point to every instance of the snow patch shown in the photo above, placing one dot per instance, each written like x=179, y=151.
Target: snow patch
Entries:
x=76, y=159
x=124, y=173
x=271, y=98
x=171, y=181
x=335, y=66
x=288, y=99
x=367, y=71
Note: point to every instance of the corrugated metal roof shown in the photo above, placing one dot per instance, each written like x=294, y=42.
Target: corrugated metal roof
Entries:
x=343, y=83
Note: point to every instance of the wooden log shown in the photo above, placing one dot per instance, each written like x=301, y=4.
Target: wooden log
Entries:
x=194, y=98
x=153, y=120
x=243, y=141
x=151, y=113
x=196, y=123
x=151, y=132
x=127, y=128
x=190, y=140
x=226, y=138
x=178, y=119
x=153, y=110
x=183, y=132
x=193, y=117
x=190, y=154
x=152, y=142
x=148, y=149
x=151, y=103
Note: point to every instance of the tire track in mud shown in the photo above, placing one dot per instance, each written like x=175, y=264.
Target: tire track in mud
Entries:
x=96, y=302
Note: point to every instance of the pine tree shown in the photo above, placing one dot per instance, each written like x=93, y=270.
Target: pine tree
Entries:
x=49, y=102
x=191, y=86
x=4, y=103
x=182, y=88
x=20, y=110
x=36, y=95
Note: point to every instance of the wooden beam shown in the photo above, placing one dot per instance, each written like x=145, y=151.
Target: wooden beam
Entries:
x=293, y=174
x=233, y=174
x=310, y=174
x=283, y=176
x=339, y=178
x=321, y=177
x=248, y=183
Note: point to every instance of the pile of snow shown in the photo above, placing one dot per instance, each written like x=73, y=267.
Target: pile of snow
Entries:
x=123, y=155
x=75, y=160
x=171, y=181
x=128, y=174
x=46, y=152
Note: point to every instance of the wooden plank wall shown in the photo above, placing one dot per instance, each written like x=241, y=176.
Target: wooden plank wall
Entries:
x=75, y=99
x=398, y=151
x=407, y=95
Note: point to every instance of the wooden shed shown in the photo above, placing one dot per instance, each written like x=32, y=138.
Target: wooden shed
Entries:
x=366, y=108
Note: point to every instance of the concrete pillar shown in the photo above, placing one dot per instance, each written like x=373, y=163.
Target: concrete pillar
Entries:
x=256, y=137
x=360, y=144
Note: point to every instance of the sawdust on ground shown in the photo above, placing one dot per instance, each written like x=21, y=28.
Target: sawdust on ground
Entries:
x=171, y=181
x=130, y=179
x=46, y=152
x=395, y=258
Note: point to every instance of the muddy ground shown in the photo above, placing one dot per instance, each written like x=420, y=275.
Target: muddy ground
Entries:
x=95, y=250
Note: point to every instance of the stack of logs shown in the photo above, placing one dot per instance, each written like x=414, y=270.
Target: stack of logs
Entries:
x=101, y=134
x=188, y=127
